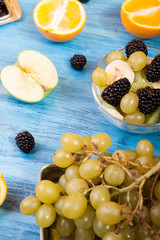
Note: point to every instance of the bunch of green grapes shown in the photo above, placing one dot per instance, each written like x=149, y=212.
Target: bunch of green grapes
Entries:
x=100, y=195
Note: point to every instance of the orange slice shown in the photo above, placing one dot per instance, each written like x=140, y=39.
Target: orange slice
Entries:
x=59, y=20
x=3, y=189
x=141, y=18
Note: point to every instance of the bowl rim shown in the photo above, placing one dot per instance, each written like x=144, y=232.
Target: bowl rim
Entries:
x=101, y=105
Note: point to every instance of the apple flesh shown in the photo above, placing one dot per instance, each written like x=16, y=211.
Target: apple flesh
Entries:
x=32, y=78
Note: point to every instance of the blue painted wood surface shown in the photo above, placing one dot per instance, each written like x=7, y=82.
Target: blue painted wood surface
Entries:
x=69, y=108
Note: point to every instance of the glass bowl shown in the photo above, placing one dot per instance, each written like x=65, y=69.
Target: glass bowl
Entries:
x=129, y=127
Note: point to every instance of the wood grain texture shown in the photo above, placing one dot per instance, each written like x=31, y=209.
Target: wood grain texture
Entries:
x=69, y=108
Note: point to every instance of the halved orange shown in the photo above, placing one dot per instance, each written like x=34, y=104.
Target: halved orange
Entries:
x=141, y=18
x=3, y=189
x=59, y=20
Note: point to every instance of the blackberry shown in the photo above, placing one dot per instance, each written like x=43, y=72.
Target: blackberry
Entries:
x=153, y=70
x=149, y=99
x=134, y=46
x=114, y=92
x=25, y=141
x=78, y=61
x=84, y=1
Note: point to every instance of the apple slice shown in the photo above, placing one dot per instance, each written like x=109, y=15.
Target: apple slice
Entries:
x=32, y=78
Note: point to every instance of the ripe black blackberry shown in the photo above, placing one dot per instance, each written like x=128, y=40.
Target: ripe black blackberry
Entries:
x=153, y=70
x=84, y=1
x=114, y=92
x=25, y=141
x=78, y=61
x=134, y=46
x=149, y=99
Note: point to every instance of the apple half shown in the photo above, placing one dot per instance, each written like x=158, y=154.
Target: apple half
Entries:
x=32, y=78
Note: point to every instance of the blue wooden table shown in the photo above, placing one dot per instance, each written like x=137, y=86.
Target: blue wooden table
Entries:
x=69, y=108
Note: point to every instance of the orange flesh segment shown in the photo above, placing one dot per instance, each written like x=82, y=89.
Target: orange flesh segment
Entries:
x=137, y=5
x=3, y=189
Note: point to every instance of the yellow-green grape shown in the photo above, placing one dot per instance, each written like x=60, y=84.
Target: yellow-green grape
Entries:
x=72, y=172
x=63, y=182
x=29, y=205
x=45, y=215
x=116, y=55
x=53, y=234
x=84, y=234
x=71, y=142
x=142, y=233
x=76, y=185
x=144, y=161
x=74, y=206
x=155, y=215
x=137, y=61
x=107, y=154
x=97, y=180
x=101, y=229
x=58, y=205
x=114, y=175
x=64, y=226
x=86, y=220
x=125, y=212
x=87, y=143
x=121, y=156
x=156, y=159
x=101, y=142
x=47, y=191
x=132, y=155
x=135, y=118
x=146, y=214
x=133, y=198
x=127, y=233
x=62, y=159
x=129, y=103
x=112, y=236
x=157, y=190
x=109, y=213
x=128, y=180
x=145, y=148
x=98, y=195
x=90, y=169
x=100, y=77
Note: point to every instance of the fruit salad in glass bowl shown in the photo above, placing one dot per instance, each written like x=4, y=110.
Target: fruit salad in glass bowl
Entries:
x=126, y=87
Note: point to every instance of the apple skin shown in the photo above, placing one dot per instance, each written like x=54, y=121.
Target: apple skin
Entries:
x=46, y=91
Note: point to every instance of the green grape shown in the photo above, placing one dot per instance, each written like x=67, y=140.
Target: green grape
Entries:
x=62, y=159
x=64, y=226
x=157, y=190
x=137, y=61
x=87, y=143
x=96, y=180
x=90, y=169
x=29, y=205
x=145, y=213
x=155, y=215
x=84, y=234
x=135, y=118
x=71, y=142
x=47, y=191
x=127, y=180
x=144, y=161
x=125, y=212
x=74, y=206
x=133, y=196
x=147, y=238
x=116, y=55
x=100, y=77
x=129, y=103
x=145, y=148
x=156, y=159
x=132, y=155
x=101, y=142
x=121, y=156
x=157, y=237
x=72, y=172
x=86, y=220
x=107, y=154
x=112, y=236
x=114, y=175
x=127, y=233
x=147, y=187
x=109, y=213
x=58, y=205
x=76, y=185
x=141, y=232
x=100, y=229
x=45, y=215
x=63, y=182
x=98, y=195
